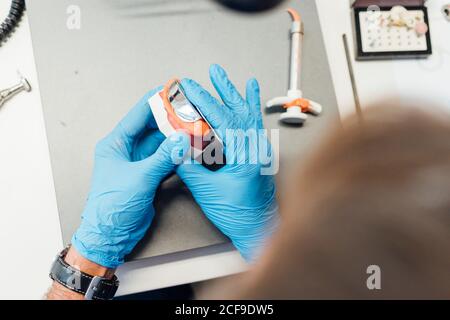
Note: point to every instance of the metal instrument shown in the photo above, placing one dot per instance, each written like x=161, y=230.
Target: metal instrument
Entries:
x=7, y=94
x=352, y=77
x=294, y=103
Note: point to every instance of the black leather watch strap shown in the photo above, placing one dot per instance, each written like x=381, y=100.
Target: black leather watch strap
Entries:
x=93, y=288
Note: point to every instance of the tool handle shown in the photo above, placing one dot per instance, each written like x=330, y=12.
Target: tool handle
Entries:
x=315, y=108
x=278, y=102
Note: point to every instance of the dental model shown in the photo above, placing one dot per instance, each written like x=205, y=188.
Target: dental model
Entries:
x=296, y=106
x=402, y=17
x=173, y=111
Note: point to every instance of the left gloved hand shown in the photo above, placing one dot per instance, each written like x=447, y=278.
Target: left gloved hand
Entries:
x=240, y=197
x=130, y=163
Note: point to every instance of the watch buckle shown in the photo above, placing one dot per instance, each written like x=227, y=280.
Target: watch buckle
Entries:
x=93, y=287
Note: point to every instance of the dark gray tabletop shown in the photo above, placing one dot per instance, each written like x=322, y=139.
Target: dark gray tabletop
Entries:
x=89, y=78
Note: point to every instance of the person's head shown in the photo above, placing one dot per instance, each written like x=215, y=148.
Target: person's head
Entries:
x=376, y=193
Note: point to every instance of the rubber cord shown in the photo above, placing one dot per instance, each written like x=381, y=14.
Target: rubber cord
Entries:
x=12, y=20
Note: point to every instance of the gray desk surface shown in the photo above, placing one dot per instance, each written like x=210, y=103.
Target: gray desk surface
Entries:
x=89, y=78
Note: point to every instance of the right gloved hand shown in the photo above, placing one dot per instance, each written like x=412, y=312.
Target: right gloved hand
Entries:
x=238, y=199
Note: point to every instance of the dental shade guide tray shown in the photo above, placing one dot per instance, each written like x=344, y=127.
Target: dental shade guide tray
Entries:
x=391, y=29
x=295, y=104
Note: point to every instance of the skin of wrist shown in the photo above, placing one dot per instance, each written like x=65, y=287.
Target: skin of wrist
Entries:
x=77, y=261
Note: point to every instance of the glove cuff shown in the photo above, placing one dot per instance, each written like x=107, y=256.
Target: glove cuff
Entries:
x=96, y=255
x=251, y=249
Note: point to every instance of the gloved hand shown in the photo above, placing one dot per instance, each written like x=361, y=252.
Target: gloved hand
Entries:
x=238, y=199
x=129, y=165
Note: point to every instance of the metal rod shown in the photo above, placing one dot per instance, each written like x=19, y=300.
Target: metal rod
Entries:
x=352, y=78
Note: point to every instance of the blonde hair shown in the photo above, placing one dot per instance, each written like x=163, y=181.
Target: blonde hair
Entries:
x=373, y=193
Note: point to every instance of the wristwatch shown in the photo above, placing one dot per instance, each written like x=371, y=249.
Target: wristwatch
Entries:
x=93, y=288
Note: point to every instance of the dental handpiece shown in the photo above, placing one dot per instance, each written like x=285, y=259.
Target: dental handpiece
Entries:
x=7, y=94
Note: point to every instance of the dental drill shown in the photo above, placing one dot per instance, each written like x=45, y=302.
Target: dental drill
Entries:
x=7, y=94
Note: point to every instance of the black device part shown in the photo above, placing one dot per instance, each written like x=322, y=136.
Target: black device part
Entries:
x=12, y=20
x=250, y=6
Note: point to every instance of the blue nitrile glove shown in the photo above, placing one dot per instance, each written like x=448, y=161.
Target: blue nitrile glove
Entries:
x=129, y=165
x=238, y=199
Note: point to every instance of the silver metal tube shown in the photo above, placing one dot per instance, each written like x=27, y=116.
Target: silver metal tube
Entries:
x=294, y=82
x=296, y=56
